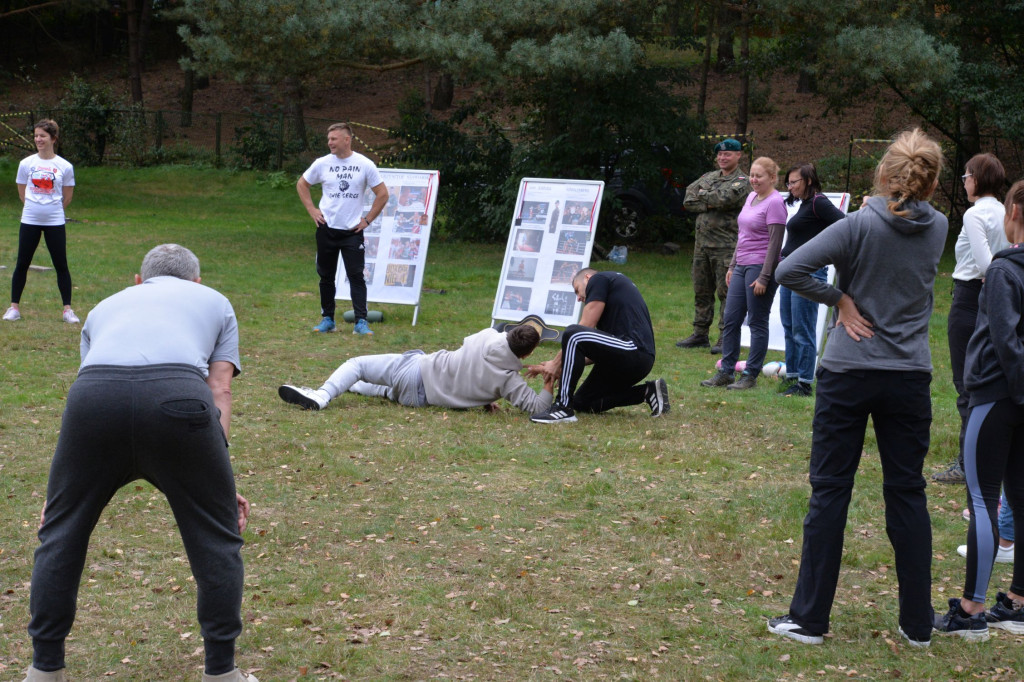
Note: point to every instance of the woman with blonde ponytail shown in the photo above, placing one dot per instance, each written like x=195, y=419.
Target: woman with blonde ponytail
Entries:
x=876, y=364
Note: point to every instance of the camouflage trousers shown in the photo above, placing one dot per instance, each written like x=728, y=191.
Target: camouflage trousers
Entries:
x=709, y=267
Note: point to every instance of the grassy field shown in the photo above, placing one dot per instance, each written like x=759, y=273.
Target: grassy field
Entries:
x=395, y=544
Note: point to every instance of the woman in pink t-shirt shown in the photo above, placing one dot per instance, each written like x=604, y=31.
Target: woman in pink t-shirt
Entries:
x=751, y=276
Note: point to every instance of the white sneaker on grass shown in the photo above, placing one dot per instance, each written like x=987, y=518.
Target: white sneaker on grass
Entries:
x=70, y=317
x=12, y=314
x=303, y=396
x=1004, y=555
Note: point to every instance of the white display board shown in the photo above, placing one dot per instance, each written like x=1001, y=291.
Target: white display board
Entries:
x=550, y=240
x=396, y=242
x=776, y=334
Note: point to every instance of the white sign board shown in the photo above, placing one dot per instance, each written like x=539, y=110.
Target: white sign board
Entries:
x=550, y=240
x=396, y=242
x=776, y=334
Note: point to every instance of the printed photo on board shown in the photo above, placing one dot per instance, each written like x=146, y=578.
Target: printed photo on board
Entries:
x=399, y=275
x=370, y=246
x=564, y=271
x=404, y=249
x=516, y=298
x=560, y=303
x=572, y=242
x=577, y=213
x=528, y=240
x=522, y=269
x=535, y=212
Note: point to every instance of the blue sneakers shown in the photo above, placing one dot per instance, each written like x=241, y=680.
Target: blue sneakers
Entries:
x=361, y=327
x=326, y=325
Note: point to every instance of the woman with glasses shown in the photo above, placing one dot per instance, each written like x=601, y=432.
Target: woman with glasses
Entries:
x=799, y=314
x=981, y=236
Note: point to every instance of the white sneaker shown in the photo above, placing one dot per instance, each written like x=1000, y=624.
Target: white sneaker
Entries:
x=70, y=317
x=1003, y=556
x=304, y=397
x=12, y=314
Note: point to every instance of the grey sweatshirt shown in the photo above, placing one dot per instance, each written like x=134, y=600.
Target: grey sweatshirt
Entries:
x=481, y=371
x=887, y=265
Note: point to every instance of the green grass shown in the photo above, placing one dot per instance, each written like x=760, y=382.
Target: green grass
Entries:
x=397, y=544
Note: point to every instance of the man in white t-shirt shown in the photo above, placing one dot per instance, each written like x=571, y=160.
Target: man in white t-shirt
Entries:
x=345, y=176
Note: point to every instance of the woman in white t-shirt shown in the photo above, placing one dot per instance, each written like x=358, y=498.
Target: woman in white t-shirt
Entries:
x=46, y=183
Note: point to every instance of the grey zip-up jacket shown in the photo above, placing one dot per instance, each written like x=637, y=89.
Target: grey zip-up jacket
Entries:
x=887, y=265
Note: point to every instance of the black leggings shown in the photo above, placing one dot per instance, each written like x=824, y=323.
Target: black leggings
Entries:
x=56, y=244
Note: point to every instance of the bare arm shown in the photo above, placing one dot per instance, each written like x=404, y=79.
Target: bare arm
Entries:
x=302, y=187
x=21, y=192
x=379, y=200
x=68, y=192
x=591, y=314
x=219, y=381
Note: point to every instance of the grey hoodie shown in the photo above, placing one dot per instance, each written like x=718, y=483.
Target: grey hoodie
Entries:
x=481, y=371
x=887, y=265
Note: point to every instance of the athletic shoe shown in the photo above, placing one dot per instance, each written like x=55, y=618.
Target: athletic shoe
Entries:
x=70, y=317
x=1004, y=616
x=745, y=383
x=557, y=414
x=694, y=340
x=657, y=397
x=362, y=328
x=785, y=384
x=959, y=622
x=799, y=388
x=1003, y=555
x=784, y=625
x=919, y=643
x=953, y=474
x=36, y=675
x=12, y=314
x=235, y=675
x=721, y=378
x=304, y=397
x=326, y=325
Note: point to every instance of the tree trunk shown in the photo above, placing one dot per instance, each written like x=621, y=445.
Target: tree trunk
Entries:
x=807, y=82
x=970, y=136
x=137, y=14
x=444, y=92
x=705, y=66
x=742, y=109
x=188, y=90
x=726, y=35
x=293, y=88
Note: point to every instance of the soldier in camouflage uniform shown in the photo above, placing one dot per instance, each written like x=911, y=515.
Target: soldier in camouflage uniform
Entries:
x=717, y=198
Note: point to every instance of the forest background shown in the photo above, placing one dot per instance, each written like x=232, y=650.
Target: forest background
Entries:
x=490, y=93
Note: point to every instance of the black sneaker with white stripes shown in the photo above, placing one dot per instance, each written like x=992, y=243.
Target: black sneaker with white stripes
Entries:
x=657, y=397
x=785, y=626
x=557, y=414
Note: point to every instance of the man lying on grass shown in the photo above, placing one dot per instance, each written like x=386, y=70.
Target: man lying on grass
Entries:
x=483, y=370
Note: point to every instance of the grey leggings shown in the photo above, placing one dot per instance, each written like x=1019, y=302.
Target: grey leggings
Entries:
x=120, y=424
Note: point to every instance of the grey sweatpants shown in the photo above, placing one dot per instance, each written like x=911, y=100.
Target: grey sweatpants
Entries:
x=120, y=424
